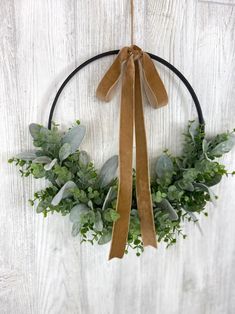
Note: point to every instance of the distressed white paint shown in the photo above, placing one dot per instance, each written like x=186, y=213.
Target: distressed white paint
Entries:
x=42, y=268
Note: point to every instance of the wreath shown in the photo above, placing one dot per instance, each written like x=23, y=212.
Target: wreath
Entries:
x=180, y=185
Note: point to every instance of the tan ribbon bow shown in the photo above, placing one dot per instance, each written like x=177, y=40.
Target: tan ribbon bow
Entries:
x=133, y=59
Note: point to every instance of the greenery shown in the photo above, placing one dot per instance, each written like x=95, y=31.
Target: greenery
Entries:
x=181, y=186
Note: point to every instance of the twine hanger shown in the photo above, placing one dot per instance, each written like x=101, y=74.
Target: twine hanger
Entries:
x=132, y=22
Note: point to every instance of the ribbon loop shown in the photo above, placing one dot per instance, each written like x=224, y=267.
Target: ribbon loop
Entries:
x=134, y=61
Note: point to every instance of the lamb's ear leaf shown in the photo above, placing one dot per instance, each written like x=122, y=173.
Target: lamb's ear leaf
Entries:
x=108, y=171
x=74, y=137
x=64, y=192
x=27, y=156
x=76, y=229
x=42, y=160
x=164, y=166
x=84, y=158
x=106, y=237
x=40, y=208
x=111, y=196
x=50, y=165
x=98, y=224
x=65, y=151
x=205, y=188
x=223, y=147
x=77, y=212
x=35, y=129
x=166, y=205
x=213, y=181
x=193, y=129
x=205, y=146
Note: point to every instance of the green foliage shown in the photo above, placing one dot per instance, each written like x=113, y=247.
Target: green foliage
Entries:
x=180, y=189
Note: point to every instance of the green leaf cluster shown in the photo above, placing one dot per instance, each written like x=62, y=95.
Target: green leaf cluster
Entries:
x=180, y=187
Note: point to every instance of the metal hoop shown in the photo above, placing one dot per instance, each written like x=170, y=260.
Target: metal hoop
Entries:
x=114, y=52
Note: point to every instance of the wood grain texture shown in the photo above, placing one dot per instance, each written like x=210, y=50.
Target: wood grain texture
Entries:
x=42, y=268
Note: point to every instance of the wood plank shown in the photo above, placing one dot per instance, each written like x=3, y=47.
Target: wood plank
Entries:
x=42, y=268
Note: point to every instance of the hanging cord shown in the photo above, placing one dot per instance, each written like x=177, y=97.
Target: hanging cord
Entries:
x=132, y=22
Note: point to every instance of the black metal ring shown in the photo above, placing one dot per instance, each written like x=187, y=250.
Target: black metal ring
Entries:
x=114, y=52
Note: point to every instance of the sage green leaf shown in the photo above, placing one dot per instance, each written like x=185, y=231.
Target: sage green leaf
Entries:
x=64, y=192
x=27, y=156
x=166, y=205
x=111, y=215
x=84, y=158
x=40, y=208
x=134, y=227
x=164, y=166
x=111, y=196
x=205, y=146
x=98, y=224
x=108, y=171
x=114, y=215
x=50, y=165
x=76, y=229
x=36, y=129
x=90, y=204
x=74, y=137
x=223, y=147
x=42, y=160
x=185, y=185
x=77, y=212
x=65, y=151
x=106, y=237
x=205, y=188
x=214, y=180
x=193, y=130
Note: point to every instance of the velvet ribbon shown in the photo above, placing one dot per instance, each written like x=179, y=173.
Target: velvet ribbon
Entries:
x=137, y=67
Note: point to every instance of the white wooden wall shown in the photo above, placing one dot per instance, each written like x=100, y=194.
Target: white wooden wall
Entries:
x=42, y=268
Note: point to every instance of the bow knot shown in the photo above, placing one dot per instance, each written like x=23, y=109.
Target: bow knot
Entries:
x=135, y=51
x=132, y=117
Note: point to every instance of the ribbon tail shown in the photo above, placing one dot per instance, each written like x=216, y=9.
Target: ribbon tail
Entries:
x=153, y=85
x=109, y=81
x=143, y=191
x=124, y=200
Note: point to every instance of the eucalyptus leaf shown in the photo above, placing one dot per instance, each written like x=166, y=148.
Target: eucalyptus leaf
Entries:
x=108, y=171
x=166, y=205
x=77, y=212
x=164, y=166
x=27, y=156
x=65, y=151
x=74, y=137
x=42, y=160
x=63, y=192
x=106, y=237
x=111, y=196
x=223, y=147
x=50, y=165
